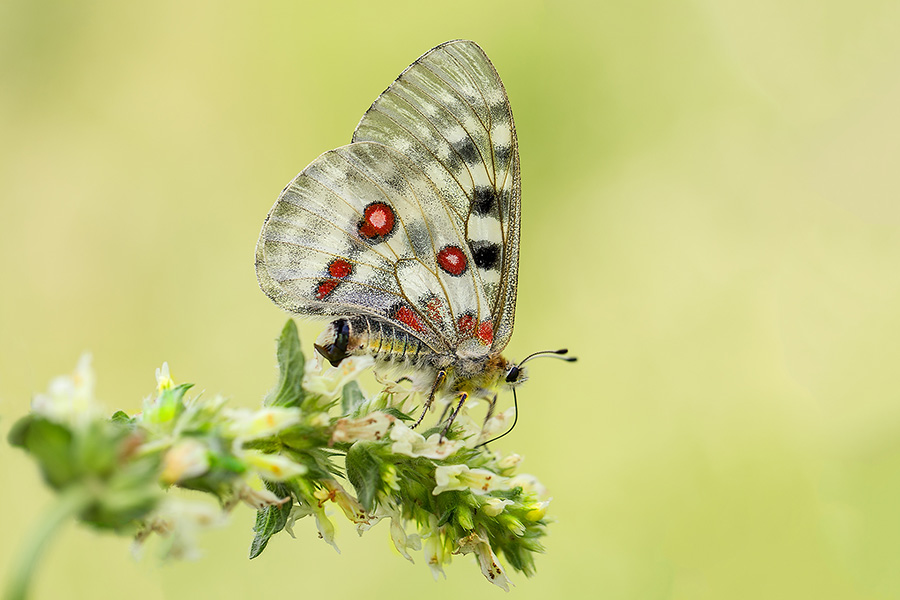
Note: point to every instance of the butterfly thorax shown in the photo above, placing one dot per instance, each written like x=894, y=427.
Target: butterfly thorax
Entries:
x=465, y=370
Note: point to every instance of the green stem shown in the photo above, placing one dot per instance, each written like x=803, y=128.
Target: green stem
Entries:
x=70, y=503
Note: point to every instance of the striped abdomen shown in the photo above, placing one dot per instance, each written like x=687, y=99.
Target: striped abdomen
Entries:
x=361, y=335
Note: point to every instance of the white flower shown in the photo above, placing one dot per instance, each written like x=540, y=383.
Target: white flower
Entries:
x=323, y=523
x=409, y=443
x=330, y=381
x=247, y=424
x=187, y=459
x=497, y=424
x=349, y=505
x=372, y=426
x=510, y=461
x=536, y=510
x=490, y=566
x=403, y=542
x=436, y=551
x=494, y=506
x=70, y=398
x=487, y=560
x=274, y=467
x=529, y=483
x=461, y=477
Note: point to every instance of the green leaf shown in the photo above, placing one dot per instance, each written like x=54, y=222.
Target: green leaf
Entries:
x=351, y=398
x=364, y=472
x=96, y=449
x=304, y=437
x=19, y=432
x=167, y=406
x=128, y=495
x=51, y=445
x=395, y=412
x=291, y=367
x=270, y=520
x=121, y=417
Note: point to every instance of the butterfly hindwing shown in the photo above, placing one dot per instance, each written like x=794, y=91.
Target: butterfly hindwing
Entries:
x=416, y=222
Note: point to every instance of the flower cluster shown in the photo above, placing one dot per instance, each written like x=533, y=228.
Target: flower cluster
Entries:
x=316, y=433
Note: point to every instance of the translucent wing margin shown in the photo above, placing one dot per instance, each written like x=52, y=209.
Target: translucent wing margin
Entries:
x=449, y=113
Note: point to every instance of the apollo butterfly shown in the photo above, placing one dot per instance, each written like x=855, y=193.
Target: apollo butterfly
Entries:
x=410, y=234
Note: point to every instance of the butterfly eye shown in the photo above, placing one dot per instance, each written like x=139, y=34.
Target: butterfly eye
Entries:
x=333, y=342
x=513, y=375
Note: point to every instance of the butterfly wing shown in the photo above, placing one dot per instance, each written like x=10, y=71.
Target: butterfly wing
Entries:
x=362, y=231
x=415, y=223
x=449, y=113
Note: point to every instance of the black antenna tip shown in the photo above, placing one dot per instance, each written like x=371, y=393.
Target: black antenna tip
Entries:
x=565, y=351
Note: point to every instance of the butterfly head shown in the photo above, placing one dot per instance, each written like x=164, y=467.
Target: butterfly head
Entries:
x=516, y=375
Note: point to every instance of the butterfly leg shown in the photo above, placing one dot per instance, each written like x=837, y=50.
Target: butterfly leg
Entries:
x=487, y=417
x=444, y=412
x=490, y=411
x=441, y=376
x=462, y=400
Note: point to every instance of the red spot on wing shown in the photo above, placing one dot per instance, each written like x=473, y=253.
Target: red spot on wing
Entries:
x=339, y=268
x=408, y=316
x=465, y=324
x=325, y=288
x=433, y=308
x=452, y=260
x=377, y=222
x=486, y=332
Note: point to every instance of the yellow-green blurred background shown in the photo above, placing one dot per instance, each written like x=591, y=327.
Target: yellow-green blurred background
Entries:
x=711, y=222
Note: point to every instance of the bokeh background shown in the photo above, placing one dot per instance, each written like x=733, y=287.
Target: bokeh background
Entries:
x=711, y=222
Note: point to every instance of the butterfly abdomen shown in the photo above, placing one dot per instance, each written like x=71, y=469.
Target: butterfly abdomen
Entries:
x=361, y=335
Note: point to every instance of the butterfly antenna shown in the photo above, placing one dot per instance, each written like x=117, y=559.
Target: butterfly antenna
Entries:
x=513, y=376
x=515, y=420
x=553, y=353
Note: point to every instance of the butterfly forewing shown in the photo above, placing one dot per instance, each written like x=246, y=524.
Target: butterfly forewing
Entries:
x=449, y=112
x=416, y=223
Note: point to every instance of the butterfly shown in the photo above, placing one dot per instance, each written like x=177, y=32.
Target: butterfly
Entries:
x=409, y=235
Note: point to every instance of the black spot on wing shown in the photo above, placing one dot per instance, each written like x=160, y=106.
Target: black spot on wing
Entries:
x=485, y=201
x=502, y=153
x=485, y=254
x=500, y=113
x=398, y=184
x=467, y=150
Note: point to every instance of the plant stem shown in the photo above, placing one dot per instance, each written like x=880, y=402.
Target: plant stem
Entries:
x=70, y=503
